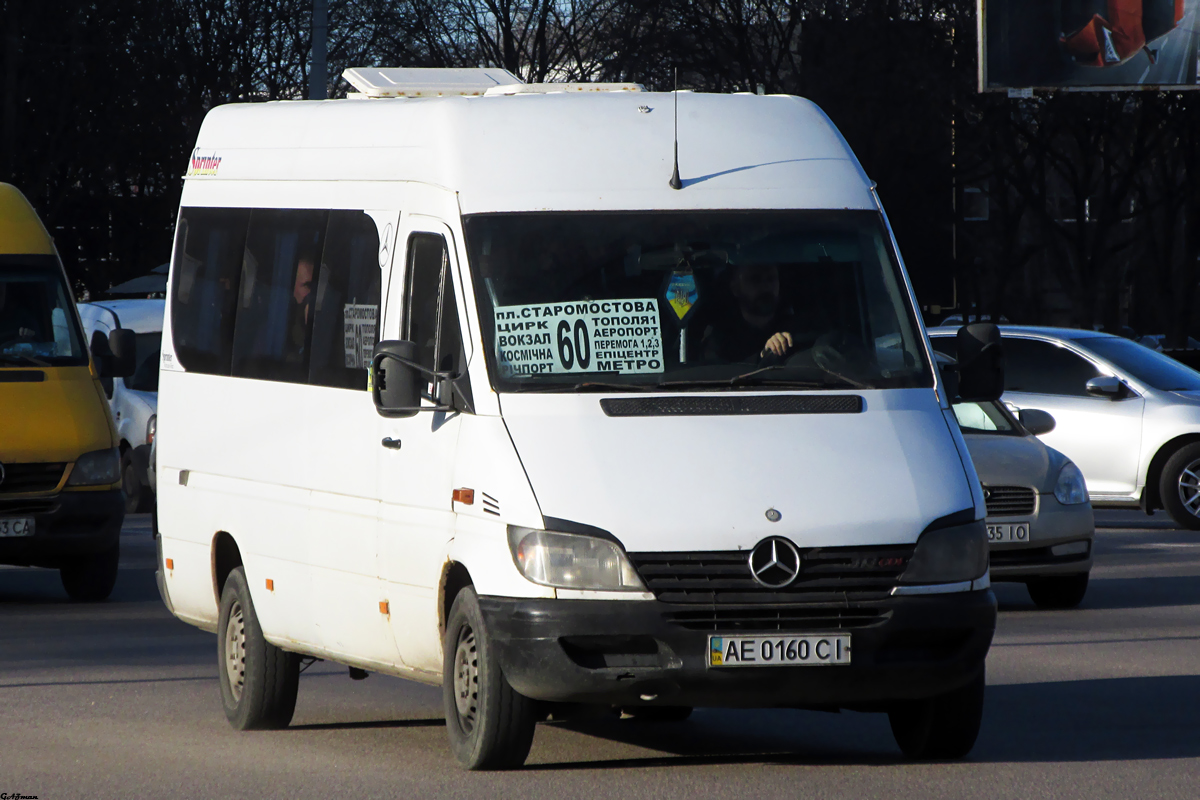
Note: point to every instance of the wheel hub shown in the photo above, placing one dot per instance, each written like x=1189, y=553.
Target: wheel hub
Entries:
x=235, y=651
x=1189, y=488
x=466, y=678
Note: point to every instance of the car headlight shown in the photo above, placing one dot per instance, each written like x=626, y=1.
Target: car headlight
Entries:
x=949, y=555
x=1070, y=489
x=97, y=468
x=151, y=428
x=570, y=561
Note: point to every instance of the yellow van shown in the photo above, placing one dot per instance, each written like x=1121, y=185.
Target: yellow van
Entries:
x=61, y=504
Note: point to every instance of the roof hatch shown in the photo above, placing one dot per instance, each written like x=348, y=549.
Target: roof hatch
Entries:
x=376, y=82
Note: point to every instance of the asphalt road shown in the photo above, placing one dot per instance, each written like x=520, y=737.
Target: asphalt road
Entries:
x=119, y=700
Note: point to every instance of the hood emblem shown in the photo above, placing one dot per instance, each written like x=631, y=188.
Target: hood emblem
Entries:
x=773, y=515
x=775, y=562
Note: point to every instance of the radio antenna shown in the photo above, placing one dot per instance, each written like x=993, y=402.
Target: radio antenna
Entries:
x=675, y=182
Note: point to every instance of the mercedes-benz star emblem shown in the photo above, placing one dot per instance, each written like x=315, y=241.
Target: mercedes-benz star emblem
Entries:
x=774, y=562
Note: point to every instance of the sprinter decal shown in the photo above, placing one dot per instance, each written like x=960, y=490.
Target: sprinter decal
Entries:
x=620, y=336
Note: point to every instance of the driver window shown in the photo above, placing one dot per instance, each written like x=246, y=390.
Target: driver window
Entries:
x=430, y=313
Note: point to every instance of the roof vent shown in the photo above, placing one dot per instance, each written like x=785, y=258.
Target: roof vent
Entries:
x=547, y=88
x=426, y=82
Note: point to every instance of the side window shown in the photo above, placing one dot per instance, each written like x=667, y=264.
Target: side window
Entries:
x=346, y=321
x=430, y=313
x=1045, y=368
x=272, y=337
x=209, y=243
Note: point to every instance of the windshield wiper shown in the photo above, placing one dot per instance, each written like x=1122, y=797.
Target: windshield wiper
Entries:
x=748, y=379
x=21, y=359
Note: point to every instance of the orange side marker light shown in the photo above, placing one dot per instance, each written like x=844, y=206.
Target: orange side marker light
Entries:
x=384, y=608
x=170, y=563
x=270, y=585
x=464, y=496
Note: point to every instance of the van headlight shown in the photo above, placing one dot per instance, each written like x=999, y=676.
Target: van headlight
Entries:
x=1070, y=489
x=949, y=555
x=571, y=561
x=97, y=468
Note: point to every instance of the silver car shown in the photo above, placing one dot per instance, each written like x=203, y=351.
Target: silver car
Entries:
x=1039, y=521
x=1127, y=416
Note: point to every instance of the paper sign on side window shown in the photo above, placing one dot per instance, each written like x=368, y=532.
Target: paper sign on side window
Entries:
x=359, y=334
x=622, y=336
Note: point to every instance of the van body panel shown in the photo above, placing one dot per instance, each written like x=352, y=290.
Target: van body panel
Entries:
x=21, y=231
x=55, y=419
x=876, y=477
x=735, y=151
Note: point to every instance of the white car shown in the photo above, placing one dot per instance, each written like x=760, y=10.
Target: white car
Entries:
x=134, y=400
x=1127, y=416
x=1040, y=524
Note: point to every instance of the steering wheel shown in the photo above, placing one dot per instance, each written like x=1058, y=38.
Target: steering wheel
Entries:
x=841, y=357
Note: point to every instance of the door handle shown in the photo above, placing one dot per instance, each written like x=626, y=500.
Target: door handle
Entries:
x=391, y=444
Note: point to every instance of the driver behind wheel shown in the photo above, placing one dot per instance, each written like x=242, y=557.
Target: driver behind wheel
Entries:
x=757, y=323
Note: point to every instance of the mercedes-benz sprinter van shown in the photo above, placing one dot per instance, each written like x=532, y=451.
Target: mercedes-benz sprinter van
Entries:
x=461, y=384
x=61, y=504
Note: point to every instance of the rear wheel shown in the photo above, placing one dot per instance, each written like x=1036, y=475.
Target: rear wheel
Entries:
x=942, y=727
x=258, y=680
x=92, y=579
x=1179, y=486
x=1061, y=591
x=490, y=726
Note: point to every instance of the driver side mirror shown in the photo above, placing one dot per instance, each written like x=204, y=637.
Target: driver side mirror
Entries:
x=980, y=363
x=1106, y=386
x=115, y=354
x=1036, y=421
x=395, y=381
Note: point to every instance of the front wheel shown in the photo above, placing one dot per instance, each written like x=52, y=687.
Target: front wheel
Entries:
x=258, y=680
x=137, y=495
x=91, y=580
x=942, y=727
x=1063, y=591
x=1179, y=486
x=490, y=726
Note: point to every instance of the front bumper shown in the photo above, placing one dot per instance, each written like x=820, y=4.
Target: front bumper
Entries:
x=622, y=652
x=66, y=526
x=1052, y=524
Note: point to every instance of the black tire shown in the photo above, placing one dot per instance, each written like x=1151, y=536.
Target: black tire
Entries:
x=658, y=713
x=90, y=580
x=1060, y=591
x=940, y=728
x=137, y=495
x=1179, y=486
x=490, y=726
x=258, y=680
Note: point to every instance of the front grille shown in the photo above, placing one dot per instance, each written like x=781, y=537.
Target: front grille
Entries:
x=1009, y=501
x=833, y=575
x=31, y=477
x=778, y=618
x=31, y=506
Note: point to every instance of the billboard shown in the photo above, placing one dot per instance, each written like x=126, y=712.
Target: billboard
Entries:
x=1088, y=45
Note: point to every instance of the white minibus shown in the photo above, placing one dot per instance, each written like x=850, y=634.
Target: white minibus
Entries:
x=564, y=398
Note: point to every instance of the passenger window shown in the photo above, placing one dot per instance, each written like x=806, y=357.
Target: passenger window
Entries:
x=209, y=243
x=346, y=324
x=1045, y=368
x=430, y=313
x=272, y=337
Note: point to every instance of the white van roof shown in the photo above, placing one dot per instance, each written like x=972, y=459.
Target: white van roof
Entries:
x=549, y=151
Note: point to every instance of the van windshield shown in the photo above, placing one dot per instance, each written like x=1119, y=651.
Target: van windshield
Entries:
x=692, y=300
x=38, y=326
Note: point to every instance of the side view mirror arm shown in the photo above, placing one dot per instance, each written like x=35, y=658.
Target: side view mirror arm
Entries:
x=436, y=376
